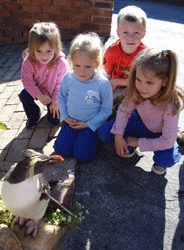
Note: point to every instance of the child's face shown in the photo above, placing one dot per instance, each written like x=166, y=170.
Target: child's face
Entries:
x=130, y=35
x=83, y=66
x=147, y=83
x=45, y=53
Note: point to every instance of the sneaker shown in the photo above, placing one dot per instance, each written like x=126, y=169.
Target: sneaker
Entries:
x=31, y=124
x=158, y=170
x=180, y=138
x=131, y=152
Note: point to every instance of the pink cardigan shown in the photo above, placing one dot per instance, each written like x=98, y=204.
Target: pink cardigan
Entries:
x=155, y=120
x=38, y=78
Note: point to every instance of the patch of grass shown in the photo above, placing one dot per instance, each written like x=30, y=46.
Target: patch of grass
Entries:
x=59, y=217
x=5, y=216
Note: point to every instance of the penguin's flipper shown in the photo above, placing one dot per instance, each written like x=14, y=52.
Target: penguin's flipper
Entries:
x=31, y=228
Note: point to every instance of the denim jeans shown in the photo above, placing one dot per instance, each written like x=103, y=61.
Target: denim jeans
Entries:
x=32, y=110
x=81, y=143
x=136, y=128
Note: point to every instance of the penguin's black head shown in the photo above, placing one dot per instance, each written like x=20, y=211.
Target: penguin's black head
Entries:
x=32, y=163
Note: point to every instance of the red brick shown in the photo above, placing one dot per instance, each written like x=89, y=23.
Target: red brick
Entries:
x=103, y=5
x=68, y=25
x=10, y=20
x=29, y=22
x=81, y=18
x=63, y=2
x=25, y=1
x=60, y=18
x=101, y=20
x=45, y=16
x=12, y=7
x=82, y=3
x=89, y=26
x=32, y=8
x=41, y=2
x=22, y=14
x=5, y=13
x=70, y=10
x=52, y=9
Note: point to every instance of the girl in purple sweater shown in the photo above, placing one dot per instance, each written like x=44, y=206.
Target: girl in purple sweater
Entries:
x=42, y=72
x=148, y=117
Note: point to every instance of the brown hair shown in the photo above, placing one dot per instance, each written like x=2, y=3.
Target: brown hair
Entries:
x=164, y=65
x=132, y=13
x=90, y=43
x=39, y=34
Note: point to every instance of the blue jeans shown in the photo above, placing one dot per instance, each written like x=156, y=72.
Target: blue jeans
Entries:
x=81, y=143
x=32, y=110
x=136, y=128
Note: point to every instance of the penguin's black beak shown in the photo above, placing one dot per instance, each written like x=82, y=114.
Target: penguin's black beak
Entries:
x=55, y=159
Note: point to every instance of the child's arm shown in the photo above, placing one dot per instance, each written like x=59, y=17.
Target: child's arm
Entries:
x=62, y=99
x=27, y=76
x=105, y=109
x=62, y=68
x=120, y=145
x=118, y=82
x=44, y=99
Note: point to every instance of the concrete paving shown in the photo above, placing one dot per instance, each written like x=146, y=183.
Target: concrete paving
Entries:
x=129, y=206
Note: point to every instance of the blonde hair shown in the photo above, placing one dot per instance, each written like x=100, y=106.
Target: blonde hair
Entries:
x=132, y=13
x=164, y=65
x=39, y=34
x=89, y=43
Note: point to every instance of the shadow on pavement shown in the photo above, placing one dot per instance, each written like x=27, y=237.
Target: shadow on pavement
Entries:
x=178, y=241
x=126, y=206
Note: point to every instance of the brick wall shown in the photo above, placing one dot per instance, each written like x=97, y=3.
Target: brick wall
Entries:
x=72, y=17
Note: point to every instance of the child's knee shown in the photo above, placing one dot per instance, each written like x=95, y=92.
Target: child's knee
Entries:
x=61, y=149
x=167, y=158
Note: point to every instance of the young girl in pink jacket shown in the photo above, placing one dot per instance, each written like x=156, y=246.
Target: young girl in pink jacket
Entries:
x=148, y=117
x=42, y=71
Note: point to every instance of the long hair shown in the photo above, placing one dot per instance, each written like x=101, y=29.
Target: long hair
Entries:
x=92, y=45
x=39, y=34
x=164, y=65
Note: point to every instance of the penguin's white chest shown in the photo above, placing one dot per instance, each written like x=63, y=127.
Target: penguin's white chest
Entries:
x=23, y=199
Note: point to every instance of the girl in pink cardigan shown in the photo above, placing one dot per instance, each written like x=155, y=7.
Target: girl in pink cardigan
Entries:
x=42, y=72
x=148, y=117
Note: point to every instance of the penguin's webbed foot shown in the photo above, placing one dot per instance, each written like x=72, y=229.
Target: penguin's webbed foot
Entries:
x=20, y=221
x=31, y=228
x=30, y=225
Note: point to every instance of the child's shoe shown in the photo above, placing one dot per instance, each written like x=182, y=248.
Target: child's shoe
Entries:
x=180, y=138
x=131, y=152
x=158, y=170
x=31, y=124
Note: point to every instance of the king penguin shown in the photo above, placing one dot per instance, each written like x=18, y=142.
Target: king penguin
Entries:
x=23, y=186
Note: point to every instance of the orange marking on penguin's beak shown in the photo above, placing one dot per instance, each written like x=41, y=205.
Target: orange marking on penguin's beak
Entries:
x=56, y=158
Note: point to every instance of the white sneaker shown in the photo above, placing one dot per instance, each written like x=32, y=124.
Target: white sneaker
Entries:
x=131, y=152
x=158, y=170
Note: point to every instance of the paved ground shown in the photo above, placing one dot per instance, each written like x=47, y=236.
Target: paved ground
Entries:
x=129, y=207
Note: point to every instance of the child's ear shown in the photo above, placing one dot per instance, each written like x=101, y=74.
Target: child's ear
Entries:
x=117, y=31
x=165, y=81
x=143, y=35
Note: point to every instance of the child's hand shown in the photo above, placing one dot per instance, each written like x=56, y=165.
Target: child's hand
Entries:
x=70, y=121
x=118, y=82
x=44, y=99
x=79, y=125
x=54, y=109
x=132, y=141
x=120, y=146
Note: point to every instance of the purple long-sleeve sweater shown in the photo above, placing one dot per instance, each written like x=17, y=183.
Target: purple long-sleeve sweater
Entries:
x=39, y=78
x=155, y=120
